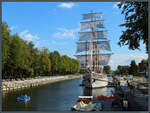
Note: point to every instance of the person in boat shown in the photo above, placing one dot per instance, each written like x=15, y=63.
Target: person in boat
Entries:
x=25, y=95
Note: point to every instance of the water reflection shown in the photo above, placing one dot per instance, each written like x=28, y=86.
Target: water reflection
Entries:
x=106, y=91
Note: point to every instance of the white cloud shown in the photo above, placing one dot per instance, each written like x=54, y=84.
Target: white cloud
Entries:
x=12, y=28
x=41, y=43
x=116, y=5
x=66, y=33
x=49, y=43
x=125, y=59
x=27, y=36
x=45, y=40
x=23, y=33
x=66, y=5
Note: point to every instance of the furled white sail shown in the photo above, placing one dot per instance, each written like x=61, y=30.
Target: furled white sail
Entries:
x=102, y=59
x=92, y=24
x=101, y=45
x=91, y=15
x=83, y=36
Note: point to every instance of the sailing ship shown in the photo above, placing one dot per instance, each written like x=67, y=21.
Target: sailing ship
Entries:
x=92, y=41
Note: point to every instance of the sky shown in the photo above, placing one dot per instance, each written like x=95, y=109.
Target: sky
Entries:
x=55, y=25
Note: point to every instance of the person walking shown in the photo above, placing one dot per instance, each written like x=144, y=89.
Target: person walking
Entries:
x=132, y=89
x=128, y=84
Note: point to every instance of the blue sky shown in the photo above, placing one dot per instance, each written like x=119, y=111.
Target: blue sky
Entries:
x=55, y=25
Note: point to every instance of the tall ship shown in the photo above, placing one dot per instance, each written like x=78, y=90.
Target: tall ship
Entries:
x=93, y=50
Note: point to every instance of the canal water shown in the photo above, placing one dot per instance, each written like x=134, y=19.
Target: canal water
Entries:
x=59, y=96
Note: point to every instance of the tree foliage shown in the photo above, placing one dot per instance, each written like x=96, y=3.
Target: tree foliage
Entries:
x=123, y=70
x=107, y=69
x=136, y=24
x=144, y=61
x=20, y=59
x=134, y=69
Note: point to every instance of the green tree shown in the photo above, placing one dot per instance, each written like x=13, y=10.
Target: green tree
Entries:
x=75, y=66
x=62, y=65
x=20, y=59
x=67, y=64
x=136, y=23
x=15, y=56
x=45, y=63
x=36, y=62
x=123, y=70
x=134, y=69
x=119, y=68
x=83, y=71
x=107, y=69
x=55, y=60
x=24, y=67
x=6, y=40
x=144, y=61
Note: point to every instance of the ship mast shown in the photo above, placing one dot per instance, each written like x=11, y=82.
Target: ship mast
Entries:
x=91, y=41
x=93, y=44
x=86, y=50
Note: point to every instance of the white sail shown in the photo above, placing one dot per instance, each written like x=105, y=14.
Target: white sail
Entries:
x=92, y=24
x=91, y=15
x=83, y=36
x=101, y=45
x=102, y=59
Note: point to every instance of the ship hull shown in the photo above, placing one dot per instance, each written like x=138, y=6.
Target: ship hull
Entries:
x=95, y=82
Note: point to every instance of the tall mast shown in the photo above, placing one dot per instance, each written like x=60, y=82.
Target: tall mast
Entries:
x=91, y=41
x=86, y=59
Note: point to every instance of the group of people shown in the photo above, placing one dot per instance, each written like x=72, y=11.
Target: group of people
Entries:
x=121, y=97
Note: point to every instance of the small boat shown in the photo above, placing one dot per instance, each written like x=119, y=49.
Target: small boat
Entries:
x=23, y=98
x=84, y=103
x=85, y=99
x=105, y=97
x=81, y=106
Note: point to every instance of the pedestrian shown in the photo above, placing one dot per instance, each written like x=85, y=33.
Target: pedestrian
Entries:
x=118, y=83
x=132, y=89
x=125, y=102
x=116, y=101
x=128, y=84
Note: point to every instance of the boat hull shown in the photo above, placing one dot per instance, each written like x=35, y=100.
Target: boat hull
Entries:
x=97, y=82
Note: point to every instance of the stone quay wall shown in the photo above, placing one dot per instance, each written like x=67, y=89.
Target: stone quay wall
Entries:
x=8, y=85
